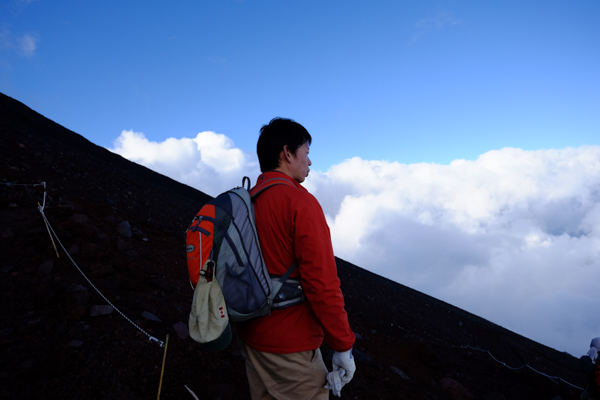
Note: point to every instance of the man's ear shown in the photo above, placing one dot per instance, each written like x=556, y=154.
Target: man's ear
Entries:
x=286, y=154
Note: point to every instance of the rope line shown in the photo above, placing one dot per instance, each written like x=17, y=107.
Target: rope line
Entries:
x=161, y=343
x=53, y=234
x=553, y=378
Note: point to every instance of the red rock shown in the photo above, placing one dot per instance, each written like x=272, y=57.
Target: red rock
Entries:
x=455, y=389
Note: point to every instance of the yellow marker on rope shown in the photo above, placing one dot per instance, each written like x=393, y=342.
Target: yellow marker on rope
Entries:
x=162, y=371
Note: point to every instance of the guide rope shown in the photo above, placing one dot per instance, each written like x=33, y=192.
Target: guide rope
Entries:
x=552, y=378
x=53, y=235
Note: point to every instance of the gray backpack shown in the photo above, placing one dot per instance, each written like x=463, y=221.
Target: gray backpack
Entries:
x=222, y=245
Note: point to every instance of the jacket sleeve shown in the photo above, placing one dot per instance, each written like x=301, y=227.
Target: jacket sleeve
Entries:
x=318, y=271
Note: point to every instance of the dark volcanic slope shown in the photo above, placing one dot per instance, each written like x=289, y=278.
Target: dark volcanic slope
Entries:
x=410, y=345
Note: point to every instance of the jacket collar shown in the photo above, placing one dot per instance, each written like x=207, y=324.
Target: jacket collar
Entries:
x=276, y=174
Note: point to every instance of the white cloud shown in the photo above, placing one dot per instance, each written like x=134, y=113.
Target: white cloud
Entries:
x=208, y=162
x=441, y=20
x=513, y=236
x=27, y=45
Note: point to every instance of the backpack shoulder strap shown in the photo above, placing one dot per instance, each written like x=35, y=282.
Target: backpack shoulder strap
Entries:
x=244, y=183
x=258, y=189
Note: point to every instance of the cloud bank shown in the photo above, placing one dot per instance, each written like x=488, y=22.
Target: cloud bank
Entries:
x=209, y=162
x=513, y=236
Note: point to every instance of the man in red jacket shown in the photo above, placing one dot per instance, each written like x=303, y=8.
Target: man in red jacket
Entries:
x=283, y=360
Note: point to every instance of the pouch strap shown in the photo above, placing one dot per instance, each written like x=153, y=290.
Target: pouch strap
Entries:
x=290, y=292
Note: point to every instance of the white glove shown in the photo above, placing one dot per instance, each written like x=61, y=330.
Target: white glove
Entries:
x=343, y=371
x=593, y=354
x=344, y=362
x=334, y=382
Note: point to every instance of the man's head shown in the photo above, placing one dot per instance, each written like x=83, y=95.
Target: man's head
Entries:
x=283, y=145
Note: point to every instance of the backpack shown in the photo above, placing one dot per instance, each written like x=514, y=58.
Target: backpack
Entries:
x=222, y=246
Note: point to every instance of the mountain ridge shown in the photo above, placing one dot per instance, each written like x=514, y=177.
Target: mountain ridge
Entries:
x=409, y=345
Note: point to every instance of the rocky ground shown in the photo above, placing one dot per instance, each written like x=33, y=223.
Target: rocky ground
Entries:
x=123, y=225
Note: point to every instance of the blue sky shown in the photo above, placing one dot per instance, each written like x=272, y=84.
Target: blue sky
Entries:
x=412, y=81
x=456, y=144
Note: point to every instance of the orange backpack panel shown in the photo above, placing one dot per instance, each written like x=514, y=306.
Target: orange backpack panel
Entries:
x=199, y=240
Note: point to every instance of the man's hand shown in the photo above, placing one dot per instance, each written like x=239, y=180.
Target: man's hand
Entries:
x=343, y=371
x=344, y=362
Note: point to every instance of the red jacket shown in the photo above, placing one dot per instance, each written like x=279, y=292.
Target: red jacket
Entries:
x=291, y=227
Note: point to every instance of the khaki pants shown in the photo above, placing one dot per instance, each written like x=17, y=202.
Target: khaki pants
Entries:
x=293, y=376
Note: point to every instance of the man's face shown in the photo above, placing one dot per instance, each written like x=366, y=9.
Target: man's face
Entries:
x=300, y=164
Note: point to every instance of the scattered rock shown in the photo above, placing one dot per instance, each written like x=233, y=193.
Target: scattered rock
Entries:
x=74, y=313
x=455, y=389
x=75, y=344
x=132, y=253
x=100, y=270
x=138, y=234
x=162, y=285
x=46, y=267
x=364, y=359
x=6, y=332
x=61, y=330
x=80, y=218
x=182, y=330
x=76, y=287
x=73, y=250
x=123, y=245
x=124, y=229
x=150, y=317
x=80, y=298
x=28, y=364
x=7, y=269
x=89, y=250
x=361, y=357
x=101, y=310
x=399, y=372
x=7, y=233
x=102, y=237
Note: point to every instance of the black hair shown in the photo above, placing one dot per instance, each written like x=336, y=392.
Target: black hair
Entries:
x=278, y=133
